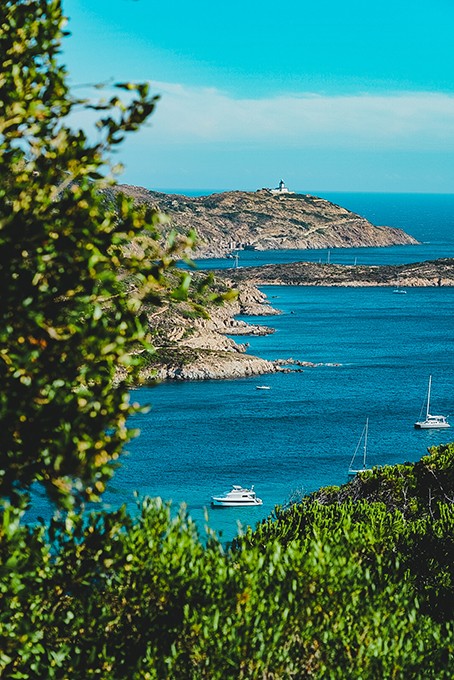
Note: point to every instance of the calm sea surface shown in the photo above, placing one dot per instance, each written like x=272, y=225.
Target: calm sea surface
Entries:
x=201, y=437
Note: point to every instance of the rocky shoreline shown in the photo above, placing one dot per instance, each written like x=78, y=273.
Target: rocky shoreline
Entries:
x=201, y=349
x=204, y=349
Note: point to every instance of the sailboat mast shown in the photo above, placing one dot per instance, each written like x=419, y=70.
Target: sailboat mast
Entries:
x=428, y=397
x=365, y=442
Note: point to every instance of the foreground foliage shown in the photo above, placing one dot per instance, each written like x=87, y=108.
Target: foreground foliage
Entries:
x=76, y=270
x=336, y=590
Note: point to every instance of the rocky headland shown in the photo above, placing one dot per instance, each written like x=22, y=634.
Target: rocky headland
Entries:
x=263, y=220
x=431, y=273
x=199, y=348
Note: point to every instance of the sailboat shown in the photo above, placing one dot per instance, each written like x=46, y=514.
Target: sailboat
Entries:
x=363, y=439
x=431, y=422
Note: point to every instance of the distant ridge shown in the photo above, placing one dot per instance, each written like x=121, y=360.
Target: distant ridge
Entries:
x=265, y=220
x=413, y=275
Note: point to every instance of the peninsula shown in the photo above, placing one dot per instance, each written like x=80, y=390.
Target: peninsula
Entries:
x=266, y=219
x=200, y=348
x=417, y=274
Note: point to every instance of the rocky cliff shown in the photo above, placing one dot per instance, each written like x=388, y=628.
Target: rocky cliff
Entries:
x=199, y=348
x=265, y=221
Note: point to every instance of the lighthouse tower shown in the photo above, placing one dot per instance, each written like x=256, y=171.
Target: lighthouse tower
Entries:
x=281, y=189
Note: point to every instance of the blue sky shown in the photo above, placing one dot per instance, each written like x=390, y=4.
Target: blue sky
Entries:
x=330, y=96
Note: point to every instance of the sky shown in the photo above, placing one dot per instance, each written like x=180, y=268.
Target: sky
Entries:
x=327, y=95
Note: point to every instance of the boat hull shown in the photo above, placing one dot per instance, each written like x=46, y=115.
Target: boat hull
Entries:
x=237, y=497
x=431, y=426
x=353, y=473
x=431, y=422
x=228, y=503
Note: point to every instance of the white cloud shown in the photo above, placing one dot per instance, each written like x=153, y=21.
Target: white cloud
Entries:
x=199, y=116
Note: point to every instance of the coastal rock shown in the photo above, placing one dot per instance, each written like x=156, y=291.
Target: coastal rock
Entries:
x=217, y=366
x=419, y=274
x=199, y=348
x=261, y=220
x=210, y=333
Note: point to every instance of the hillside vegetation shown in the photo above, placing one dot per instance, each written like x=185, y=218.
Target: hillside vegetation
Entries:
x=350, y=582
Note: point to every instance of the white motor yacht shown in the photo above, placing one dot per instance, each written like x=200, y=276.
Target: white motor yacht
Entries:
x=236, y=497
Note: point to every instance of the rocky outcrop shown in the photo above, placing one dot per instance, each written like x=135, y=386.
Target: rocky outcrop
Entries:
x=262, y=220
x=199, y=348
x=432, y=273
x=215, y=365
x=188, y=348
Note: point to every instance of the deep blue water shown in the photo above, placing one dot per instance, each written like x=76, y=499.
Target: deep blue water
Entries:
x=201, y=437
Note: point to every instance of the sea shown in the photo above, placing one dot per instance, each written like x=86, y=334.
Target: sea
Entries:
x=374, y=352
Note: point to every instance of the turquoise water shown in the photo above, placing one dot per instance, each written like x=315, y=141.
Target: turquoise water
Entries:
x=201, y=437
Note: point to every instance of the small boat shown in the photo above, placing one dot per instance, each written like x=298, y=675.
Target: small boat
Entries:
x=398, y=289
x=262, y=387
x=236, y=497
x=431, y=422
x=363, y=439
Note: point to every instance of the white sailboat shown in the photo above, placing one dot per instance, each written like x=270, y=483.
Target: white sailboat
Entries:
x=431, y=422
x=352, y=471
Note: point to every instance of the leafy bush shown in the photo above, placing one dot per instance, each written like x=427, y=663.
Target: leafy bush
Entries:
x=108, y=595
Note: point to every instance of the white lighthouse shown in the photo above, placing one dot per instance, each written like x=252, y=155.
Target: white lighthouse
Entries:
x=281, y=189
